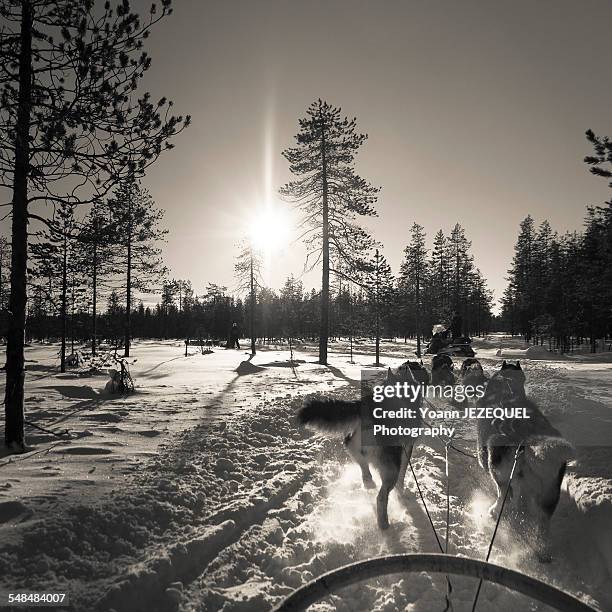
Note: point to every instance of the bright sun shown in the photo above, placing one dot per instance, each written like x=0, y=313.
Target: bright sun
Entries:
x=269, y=229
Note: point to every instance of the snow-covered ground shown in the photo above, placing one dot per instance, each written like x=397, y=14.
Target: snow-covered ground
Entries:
x=198, y=491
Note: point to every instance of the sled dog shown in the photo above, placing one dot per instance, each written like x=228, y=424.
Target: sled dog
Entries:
x=442, y=370
x=345, y=417
x=419, y=371
x=536, y=484
x=472, y=372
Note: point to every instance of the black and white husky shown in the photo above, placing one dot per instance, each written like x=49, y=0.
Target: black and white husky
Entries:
x=345, y=417
x=536, y=484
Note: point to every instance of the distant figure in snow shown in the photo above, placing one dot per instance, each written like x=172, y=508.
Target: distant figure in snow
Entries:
x=456, y=325
x=235, y=336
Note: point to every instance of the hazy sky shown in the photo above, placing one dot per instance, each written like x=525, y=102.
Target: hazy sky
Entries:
x=476, y=113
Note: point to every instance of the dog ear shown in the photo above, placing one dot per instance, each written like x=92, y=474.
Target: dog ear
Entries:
x=518, y=365
x=504, y=364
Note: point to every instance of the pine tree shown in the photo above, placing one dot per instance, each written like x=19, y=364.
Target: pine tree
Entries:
x=440, y=277
x=597, y=256
x=54, y=255
x=136, y=223
x=95, y=249
x=521, y=274
x=413, y=275
x=461, y=264
x=114, y=315
x=379, y=286
x=291, y=296
x=248, y=272
x=331, y=196
x=508, y=307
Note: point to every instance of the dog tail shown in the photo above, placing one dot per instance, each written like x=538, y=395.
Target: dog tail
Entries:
x=334, y=416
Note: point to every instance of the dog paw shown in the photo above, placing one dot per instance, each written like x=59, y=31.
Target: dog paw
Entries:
x=369, y=483
x=403, y=493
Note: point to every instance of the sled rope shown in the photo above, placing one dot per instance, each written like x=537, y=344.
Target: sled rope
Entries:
x=449, y=586
x=445, y=442
x=519, y=449
x=425, y=506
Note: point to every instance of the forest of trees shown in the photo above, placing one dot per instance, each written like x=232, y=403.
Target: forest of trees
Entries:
x=425, y=292
x=74, y=125
x=85, y=273
x=560, y=286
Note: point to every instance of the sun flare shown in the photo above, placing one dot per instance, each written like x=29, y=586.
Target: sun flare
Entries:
x=269, y=230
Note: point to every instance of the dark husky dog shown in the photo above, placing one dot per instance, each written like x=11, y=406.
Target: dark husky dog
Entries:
x=536, y=485
x=472, y=373
x=442, y=370
x=419, y=371
x=345, y=417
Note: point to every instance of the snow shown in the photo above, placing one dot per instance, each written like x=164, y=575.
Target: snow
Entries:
x=199, y=492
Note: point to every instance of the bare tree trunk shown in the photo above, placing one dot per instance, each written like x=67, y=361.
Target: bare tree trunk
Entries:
x=417, y=311
x=351, y=322
x=14, y=436
x=252, y=313
x=72, y=313
x=128, y=299
x=63, y=312
x=377, y=310
x=128, y=282
x=94, y=307
x=324, y=328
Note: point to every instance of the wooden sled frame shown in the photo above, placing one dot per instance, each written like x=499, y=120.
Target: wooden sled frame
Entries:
x=437, y=563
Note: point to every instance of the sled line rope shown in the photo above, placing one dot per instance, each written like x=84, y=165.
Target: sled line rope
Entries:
x=449, y=586
x=519, y=449
x=425, y=505
x=461, y=452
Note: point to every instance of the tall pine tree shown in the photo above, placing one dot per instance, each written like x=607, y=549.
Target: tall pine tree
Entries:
x=330, y=196
x=413, y=275
x=136, y=223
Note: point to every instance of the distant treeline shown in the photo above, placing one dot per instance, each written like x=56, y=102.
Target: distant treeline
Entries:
x=560, y=287
x=429, y=289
